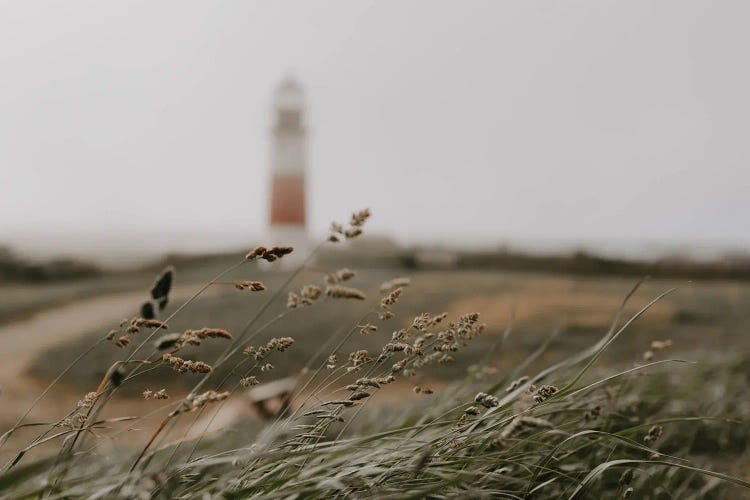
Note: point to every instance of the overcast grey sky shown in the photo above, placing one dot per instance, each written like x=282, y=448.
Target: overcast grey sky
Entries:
x=145, y=124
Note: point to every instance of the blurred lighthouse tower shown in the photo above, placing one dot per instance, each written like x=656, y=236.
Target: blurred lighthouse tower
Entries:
x=288, y=162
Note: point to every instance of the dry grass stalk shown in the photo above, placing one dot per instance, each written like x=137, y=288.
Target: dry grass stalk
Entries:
x=160, y=394
x=340, y=276
x=249, y=381
x=356, y=396
x=149, y=323
x=181, y=365
x=251, y=286
x=391, y=285
x=271, y=255
x=544, y=393
x=486, y=400
x=354, y=230
x=275, y=344
x=78, y=418
x=292, y=300
x=343, y=292
x=207, y=397
x=391, y=298
x=331, y=362
x=653, y=435
x=367, y=329
x=309, y=294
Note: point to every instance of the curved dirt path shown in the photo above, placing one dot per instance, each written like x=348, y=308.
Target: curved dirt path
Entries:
x=22, y=340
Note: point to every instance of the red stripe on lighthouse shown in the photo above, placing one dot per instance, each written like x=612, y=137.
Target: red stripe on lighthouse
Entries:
x=288, y=200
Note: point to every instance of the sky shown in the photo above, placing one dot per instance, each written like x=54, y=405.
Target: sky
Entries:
x=135, y=127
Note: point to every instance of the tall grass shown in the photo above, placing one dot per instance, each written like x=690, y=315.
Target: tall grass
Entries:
x=570, y=430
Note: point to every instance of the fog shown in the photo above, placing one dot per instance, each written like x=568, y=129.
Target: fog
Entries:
x=139, y=127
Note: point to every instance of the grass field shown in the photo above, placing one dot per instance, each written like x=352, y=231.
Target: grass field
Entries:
x=700, y=318
x=550, y=400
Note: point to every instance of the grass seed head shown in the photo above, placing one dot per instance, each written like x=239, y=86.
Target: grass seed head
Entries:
x=391, y=298
x=257, y=252
x=206, y=398
x=544, y=393
x=271, y=255
x=88, y=401
x=343, y=292
x=368, y=382
x=340, y=276
x=359, y=218
x=358, y=358
x=292, y=300
x=310, y=293
x=198, y=367
x=160, y=394
x=249, y=381
x=653, y=435
x=385, y=315
x=149, y=323
x=391, y=285
x=359, y=395
x=212, y=333
x=280, y=251
x=473, y=411
x=486, y=400
x=367, y=329
x=331, y=362
x=252, y=286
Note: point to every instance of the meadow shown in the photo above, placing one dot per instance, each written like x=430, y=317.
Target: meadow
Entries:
x=410, y=384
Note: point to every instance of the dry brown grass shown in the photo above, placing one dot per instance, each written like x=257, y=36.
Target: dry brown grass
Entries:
x=561, y=300
x=553, y=430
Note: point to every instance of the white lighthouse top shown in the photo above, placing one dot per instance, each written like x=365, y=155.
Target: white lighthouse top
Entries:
x=289, y=95
x=288, y=149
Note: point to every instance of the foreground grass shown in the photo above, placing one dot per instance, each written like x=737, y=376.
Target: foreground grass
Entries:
x=582, y=443
x=568, y=430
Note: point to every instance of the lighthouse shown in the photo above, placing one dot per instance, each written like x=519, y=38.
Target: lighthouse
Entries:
x=288, y=219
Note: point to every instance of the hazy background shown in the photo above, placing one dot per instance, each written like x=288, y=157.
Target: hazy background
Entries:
x=137, y=127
